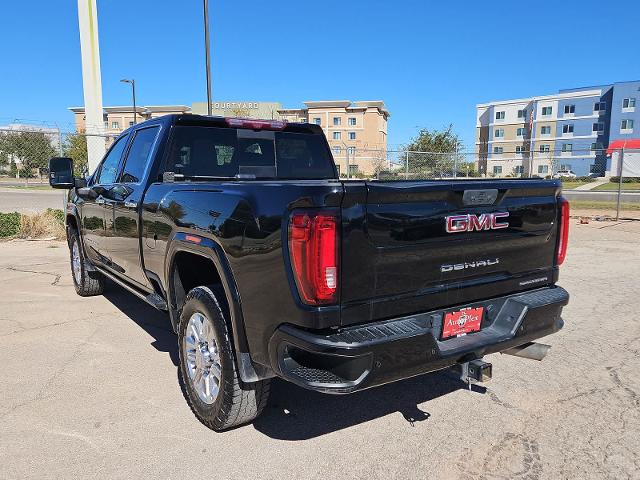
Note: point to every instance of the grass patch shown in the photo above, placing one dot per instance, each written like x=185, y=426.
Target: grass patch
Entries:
x=610, y=186
x=27, y=187
x=47, y=224
x=572, y=185
x=595, y=205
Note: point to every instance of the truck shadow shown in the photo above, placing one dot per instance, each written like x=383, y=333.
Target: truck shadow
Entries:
x=152, y=321
x=294, y=413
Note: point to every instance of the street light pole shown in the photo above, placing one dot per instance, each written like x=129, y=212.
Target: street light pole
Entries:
x=132, y=82
x=207, y=54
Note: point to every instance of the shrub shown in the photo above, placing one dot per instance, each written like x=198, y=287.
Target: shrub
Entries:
x=9, y=224
x=625, y=179
x=49, y=223
x=57, y=214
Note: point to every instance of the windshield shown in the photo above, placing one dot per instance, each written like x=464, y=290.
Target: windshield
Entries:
x=242, y=153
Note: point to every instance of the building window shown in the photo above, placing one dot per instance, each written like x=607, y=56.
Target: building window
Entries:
x=626, y=125
x=338, y=169
x=131, y=124
x=567, y=147
x=545, y=130
x=498, y=150
x=499, y=133
x=353, y=170
x=544, y=148
x=303, y=120
x=352, y=135
x=598, y=127
x=337, y=135
x=565, y=166
x=106, y=124
x=568, y=128
x=336, y=150
x=337, y=121
x=520, y=132
x=518, y=170
x=351, y=150
x=352, y=121
x=520, y=149
x=597, y=147
x=522, y=113
x=497, y=169
x=544, y=169
x=629, y=103
x=569, y=109
x=600, y=107
x=115, y=125
x=499, y=115
x=547, y=110
x=317, y=120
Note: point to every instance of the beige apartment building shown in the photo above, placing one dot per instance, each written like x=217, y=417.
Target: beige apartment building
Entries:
x=117, y=119
x=242, y=109
x=356, y=131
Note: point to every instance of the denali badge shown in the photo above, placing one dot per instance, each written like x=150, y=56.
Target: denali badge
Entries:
x=471, y=222
x=450, y=267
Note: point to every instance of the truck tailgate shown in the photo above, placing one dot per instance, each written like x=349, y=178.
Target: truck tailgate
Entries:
x=398, y=257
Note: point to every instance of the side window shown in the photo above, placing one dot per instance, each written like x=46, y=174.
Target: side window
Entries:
x=139, y=154
x=109, y=168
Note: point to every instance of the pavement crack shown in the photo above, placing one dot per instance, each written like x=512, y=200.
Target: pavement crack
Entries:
x=24, y=270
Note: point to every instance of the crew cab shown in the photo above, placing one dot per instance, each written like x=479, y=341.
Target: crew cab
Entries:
x=269, y=265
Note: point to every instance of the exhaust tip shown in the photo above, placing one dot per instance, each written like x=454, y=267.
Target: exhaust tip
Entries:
x=531, y=350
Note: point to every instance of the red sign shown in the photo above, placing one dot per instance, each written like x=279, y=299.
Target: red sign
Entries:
x=461, y=322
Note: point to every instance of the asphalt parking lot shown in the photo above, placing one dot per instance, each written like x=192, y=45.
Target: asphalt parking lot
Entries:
x=29, y=200
x=88, y=389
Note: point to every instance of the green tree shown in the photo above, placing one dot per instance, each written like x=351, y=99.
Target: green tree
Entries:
x=29, y=149
x=4, y=160
x=433, y=151
x=75, y=147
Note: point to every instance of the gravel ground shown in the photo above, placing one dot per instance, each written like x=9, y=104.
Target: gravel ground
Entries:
x=89, y=390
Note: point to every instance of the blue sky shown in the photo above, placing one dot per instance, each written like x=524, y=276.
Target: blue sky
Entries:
x=431, y=62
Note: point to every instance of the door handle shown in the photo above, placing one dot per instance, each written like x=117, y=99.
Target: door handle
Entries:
x=132, y=205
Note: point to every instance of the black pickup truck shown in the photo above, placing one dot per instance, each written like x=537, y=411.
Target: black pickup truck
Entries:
x=269, y=265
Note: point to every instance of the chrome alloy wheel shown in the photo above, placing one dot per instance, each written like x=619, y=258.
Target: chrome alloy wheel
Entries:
x=76, y=263
x=202, y=358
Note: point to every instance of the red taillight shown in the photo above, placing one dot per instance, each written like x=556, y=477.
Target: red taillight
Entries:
x=256, y=124
x=313, y=248
x=563, y=234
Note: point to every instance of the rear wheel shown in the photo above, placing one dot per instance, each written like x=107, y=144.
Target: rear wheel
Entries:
x=208, y=373
x=87, y=283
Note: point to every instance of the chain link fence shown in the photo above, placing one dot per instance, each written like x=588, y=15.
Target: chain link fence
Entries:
x=597, y=182
x=25, y=151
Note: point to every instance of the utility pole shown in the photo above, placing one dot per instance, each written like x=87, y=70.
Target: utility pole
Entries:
x=207, y=54
x=620, y=172
x=91, y=81
x=132, y=82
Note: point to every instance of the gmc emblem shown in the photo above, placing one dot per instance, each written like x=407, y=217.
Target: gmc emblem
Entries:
x=473, y=223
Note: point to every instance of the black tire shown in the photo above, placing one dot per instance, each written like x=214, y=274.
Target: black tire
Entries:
x=89, y=282
x=237, y=402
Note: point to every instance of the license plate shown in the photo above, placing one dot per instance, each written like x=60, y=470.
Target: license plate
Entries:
x=461, y=322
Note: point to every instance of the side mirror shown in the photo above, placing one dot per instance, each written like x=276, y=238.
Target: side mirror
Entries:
x=61, y=173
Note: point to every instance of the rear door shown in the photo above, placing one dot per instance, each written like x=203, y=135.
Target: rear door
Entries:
x=424, y=245
x=124, y=202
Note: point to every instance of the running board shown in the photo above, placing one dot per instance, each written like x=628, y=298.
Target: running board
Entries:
x=152, y=299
